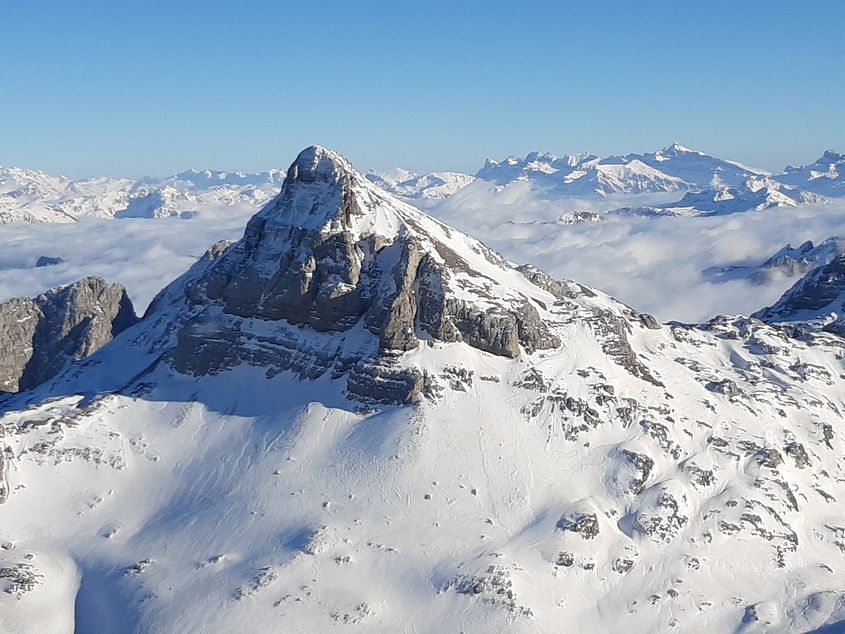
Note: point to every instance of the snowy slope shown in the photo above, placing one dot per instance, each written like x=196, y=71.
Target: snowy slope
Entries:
x=230, y=463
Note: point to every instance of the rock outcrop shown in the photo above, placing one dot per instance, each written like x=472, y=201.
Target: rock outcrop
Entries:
x=817, y=297
x=41, y=336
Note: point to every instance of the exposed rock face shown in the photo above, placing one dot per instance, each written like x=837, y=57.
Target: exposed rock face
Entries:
x=42, y=335
x=818, y=296
x=662, y=512
x=725, y=386
x=322, y=255
x=4, y=489
x=612, y=329
x=334, y=254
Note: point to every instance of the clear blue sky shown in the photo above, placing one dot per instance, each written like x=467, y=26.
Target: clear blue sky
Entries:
x=127, y=88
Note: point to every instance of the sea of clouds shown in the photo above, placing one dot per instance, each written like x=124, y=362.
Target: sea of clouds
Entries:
x=143, y=254
x=653, y=264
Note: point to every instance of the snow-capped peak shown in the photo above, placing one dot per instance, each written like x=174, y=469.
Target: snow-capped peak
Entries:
x=323, y=190
x=676, y=148
x=826, y=176
x=674, y=168
x=831, y=156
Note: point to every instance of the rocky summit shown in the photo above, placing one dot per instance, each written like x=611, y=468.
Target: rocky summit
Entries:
x=359, y=418
x=334, y=254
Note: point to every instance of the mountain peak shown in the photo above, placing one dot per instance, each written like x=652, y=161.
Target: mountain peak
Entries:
x=322, y=191
x=677, y=148
x=817, y=298
x=334, y=253
x=232, y=444
x=831, y=156
x=316, y=164
x=43, y=335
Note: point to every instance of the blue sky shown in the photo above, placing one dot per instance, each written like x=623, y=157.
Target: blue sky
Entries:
x=125, y=88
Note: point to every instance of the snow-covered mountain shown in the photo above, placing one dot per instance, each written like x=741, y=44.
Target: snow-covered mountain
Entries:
x=206, y=179
x=697, y=169
x=675, y=168
x=711, y=185
x=420, y=187
x=825, y=177
x=787, y=262
x=359, y=417
x=33, y=196
x=755, y=194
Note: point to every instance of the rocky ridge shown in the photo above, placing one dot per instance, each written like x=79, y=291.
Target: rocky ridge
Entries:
x=817, y=300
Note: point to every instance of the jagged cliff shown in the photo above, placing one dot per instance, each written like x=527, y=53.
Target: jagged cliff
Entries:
x=334, y=254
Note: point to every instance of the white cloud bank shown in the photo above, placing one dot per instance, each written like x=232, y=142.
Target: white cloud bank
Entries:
x=653, y=264
x=143, y=254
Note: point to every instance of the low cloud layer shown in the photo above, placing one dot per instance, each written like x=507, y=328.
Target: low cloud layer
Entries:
x=142, y=254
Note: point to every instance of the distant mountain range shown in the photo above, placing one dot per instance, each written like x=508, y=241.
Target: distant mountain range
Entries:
x=432, y=186
x=35, y=196
x=709, y=185
x=675, y=168
x=755, y=194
